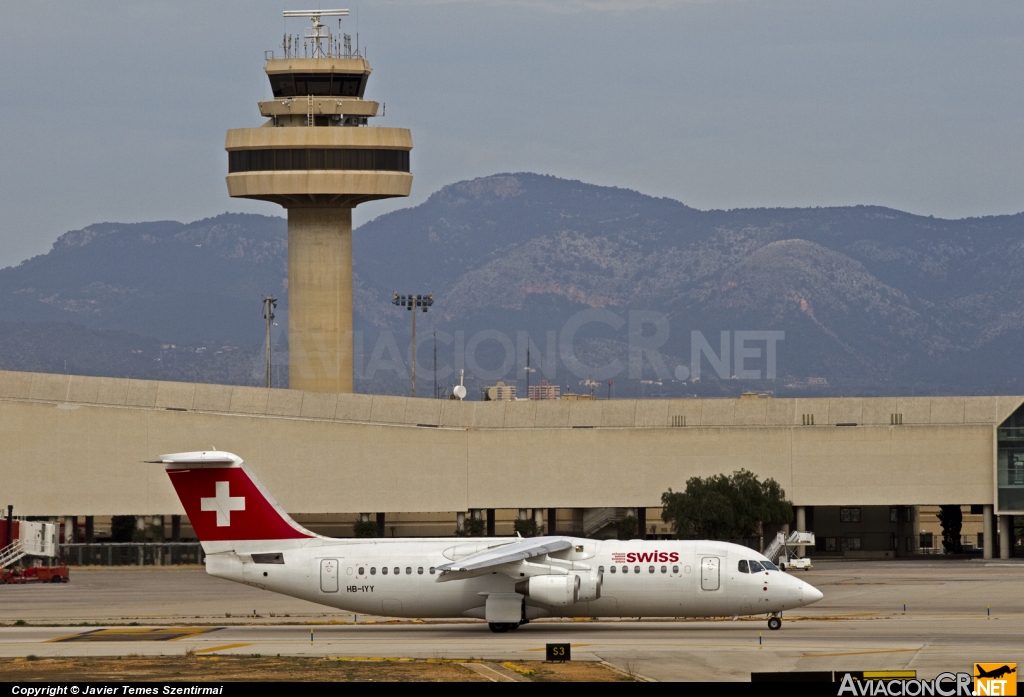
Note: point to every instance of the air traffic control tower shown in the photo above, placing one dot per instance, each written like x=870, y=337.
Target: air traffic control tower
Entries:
x=317, y=157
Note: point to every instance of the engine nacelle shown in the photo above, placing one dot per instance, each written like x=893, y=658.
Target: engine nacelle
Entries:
x=551, y=590
x=590, y=586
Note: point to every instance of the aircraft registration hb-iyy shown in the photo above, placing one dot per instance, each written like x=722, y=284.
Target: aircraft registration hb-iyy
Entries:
x=506, y=581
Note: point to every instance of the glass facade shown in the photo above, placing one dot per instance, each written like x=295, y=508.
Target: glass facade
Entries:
x=317, y=84
x=317, y=158
x=1010, y=463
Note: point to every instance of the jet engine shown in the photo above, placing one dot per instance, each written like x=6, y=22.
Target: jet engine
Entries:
x=590, y=586
x=551, y=590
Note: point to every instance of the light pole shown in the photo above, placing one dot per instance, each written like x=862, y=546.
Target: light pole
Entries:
x=269, y=303
x=411, y=303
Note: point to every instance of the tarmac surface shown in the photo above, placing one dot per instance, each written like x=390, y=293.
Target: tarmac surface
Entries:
x=859, y=625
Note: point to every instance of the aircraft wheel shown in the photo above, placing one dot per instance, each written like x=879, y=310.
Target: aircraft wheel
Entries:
x=774, y=623
x=55, y=579
x=500, y=627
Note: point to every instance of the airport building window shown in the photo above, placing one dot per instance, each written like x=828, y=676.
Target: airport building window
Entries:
x=894, y=515
x=849, y=515
x=742, y=567
x=675, y=569
x=927, y=540
x=317, y=158
x=830, y=544
x=851, y=543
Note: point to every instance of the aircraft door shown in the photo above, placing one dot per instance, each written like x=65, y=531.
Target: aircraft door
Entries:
x=709, y=574
x=329, y=575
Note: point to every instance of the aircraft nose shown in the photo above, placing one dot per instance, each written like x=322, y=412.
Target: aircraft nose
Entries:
x=811, y=594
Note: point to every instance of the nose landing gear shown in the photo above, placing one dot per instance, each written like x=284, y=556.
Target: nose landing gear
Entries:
x=774, y=622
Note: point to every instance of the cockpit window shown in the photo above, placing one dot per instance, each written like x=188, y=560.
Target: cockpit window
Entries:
x=769, y=566
x=755, y=566
x=743, y=567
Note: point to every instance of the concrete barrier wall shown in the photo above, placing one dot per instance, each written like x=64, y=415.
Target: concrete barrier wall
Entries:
x=74, y=445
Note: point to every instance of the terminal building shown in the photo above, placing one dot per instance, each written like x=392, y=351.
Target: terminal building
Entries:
x=858, y=470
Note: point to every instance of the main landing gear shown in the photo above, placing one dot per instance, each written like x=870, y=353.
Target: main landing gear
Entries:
x=774, y=622
x=502, y=627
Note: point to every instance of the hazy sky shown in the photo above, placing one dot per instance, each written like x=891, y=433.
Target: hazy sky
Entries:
x=116, y=111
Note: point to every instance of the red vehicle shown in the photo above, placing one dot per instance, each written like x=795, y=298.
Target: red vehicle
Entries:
x=35, y=574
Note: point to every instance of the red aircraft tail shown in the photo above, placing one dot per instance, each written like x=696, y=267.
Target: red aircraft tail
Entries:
x=224, y=501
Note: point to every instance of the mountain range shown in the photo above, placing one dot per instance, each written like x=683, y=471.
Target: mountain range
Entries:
x=859, y=300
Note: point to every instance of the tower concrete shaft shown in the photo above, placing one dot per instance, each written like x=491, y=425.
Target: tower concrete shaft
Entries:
x=320, y=299
x=316, y=157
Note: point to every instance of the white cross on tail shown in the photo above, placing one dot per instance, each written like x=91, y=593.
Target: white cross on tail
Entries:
x=223, y=503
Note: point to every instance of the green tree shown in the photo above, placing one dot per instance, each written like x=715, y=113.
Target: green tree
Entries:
x=627, y=528
x=527, y=528
x=472, y=527
x=122, y=528
x=365, y=528
x=952, y=520
x=722, y=507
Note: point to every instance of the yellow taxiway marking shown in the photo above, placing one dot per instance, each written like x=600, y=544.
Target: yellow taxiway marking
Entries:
x=544, y=649
x=225, y=647
x=135, y=634
x=858, y=653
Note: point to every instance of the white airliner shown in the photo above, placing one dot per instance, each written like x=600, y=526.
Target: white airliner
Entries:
x=506, y=581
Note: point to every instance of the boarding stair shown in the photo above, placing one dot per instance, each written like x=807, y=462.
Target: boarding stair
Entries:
x=11, y=553
x=780, y=546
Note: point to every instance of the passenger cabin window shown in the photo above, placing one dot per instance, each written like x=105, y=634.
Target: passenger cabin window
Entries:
x=614, y=569
x=664, y=569
x=650, y=569
x=675, y=569
x=373, y=570
x=408, y=570
x=755, y=567
x=600, y=569
x=625, y=569
x=419, y=570
x=397, y=571
x=384, y=570
x=743, y=567
x=636, y=569
x=362, y=570
x=431, y=571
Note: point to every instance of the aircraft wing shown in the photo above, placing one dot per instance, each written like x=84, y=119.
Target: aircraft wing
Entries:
x=517, y=551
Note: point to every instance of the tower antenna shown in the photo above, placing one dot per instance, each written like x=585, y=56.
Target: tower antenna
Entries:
x=318, y=33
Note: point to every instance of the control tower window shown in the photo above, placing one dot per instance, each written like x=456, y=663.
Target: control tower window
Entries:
x=316, y=84
x=318, y=158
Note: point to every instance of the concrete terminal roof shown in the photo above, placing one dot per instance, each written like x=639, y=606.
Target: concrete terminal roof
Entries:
x=74, y=445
